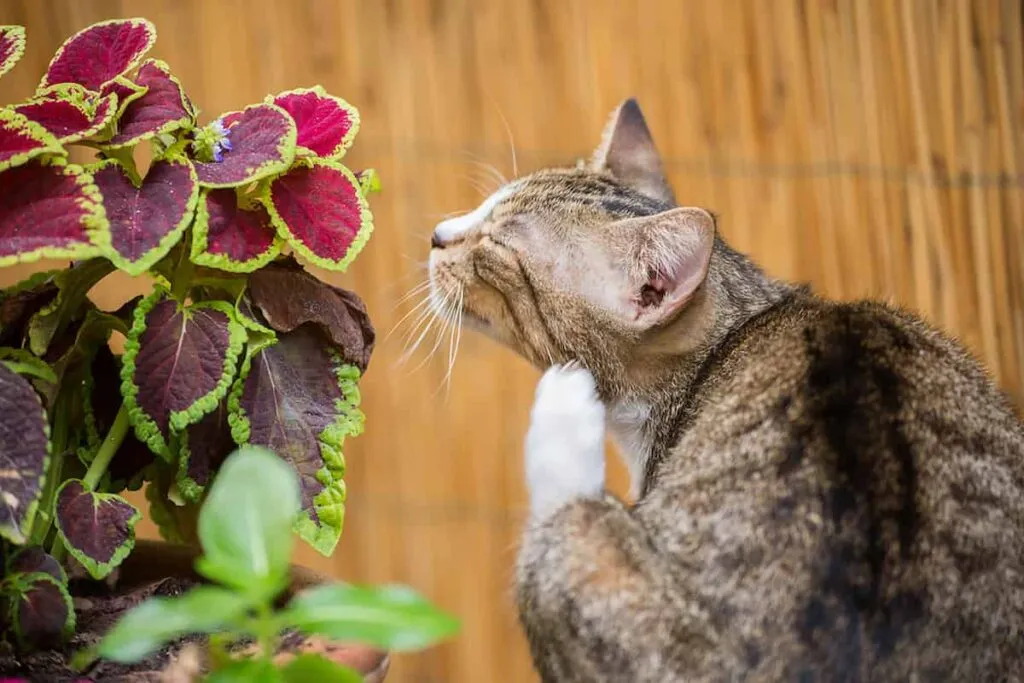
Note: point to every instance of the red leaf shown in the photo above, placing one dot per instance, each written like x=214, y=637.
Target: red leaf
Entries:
x=32, y=559
x=261, y=143
x=67, y=120
x=100, y=53
x=230, y=238
x=22, y=140
x=326, y=125
x=49, y=211
x=319, y=208
x=146, y=221
x=12, y=46
x=126, y=91
x=163, y=108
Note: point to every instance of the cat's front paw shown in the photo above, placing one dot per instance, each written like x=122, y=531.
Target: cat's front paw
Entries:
x=565, y=444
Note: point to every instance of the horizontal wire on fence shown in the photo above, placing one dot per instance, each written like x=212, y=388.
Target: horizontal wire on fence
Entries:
x=453, y=153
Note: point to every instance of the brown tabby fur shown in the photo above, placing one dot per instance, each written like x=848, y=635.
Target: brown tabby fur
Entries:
x=825, y=491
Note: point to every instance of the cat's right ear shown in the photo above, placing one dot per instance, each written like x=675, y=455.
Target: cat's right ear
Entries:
x=627, y=150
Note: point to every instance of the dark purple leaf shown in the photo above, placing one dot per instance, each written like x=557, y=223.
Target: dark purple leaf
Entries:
x=32, y=559
x=203, y=447
x=49, y=212
x=20, y=302
x=288, y=297
x=297, y=398
x=24, y=452
x=260, y=143
x=326, y=125
x=178, y=364
x=162, y=109
x=319, y=208
x=66, y=119
x=146, y=221
x=41, y=613
x=22, y=140
x=231, y=238
x=12, y=46
x=100, y=53
x=98, y=529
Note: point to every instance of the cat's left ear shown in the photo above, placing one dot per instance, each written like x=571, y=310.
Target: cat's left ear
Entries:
x=627, y=150
x=667, y=260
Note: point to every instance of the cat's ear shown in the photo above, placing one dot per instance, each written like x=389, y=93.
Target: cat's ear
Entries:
x=667, y=261
x=627, y=150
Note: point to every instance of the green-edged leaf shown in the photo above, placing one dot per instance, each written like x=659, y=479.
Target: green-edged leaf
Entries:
x=98, y=529
x=178, y=364
x=326, y=124
x=302, y=377
x=12, y=47
x=319, y=208
x=259, y=144
x=288, y=296
x=22, y=140
x=390, y=617
x=100, y=53
x=49, y=211
x=40, y=611
x=67, y=116
x=314, y=668
x=24, y=452
x=250, y=671
x=369, y=181
x=73, y=286
x=157, y=621
x=26, y=364
x=127, y=91
x=145, y=221
x=232, y=238
x=246, y=542
x=202, y=448
x=163, y=108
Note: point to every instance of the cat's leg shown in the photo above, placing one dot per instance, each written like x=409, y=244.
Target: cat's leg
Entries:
x=598, y=601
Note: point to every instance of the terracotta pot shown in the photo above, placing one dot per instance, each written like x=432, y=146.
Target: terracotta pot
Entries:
x=155, y=567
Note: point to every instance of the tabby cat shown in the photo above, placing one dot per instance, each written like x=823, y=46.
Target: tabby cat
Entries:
x=823, y=491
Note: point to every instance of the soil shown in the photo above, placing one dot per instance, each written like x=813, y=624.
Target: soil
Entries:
x=96, y=613
x=98, y=608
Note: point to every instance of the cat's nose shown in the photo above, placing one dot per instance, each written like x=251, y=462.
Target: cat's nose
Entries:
x=435, y=241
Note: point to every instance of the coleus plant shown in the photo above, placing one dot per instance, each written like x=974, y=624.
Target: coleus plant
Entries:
x=236, y=343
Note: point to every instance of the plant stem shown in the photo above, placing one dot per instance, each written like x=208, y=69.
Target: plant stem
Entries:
x=99, y=464
x=182, y=279
x=58, y=443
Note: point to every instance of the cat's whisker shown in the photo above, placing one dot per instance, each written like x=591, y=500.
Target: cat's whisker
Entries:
x=418, y=289
x=447, y=314
x=418, y=307
x=508, y=133
x=476, y=184
x=492, y=172
x=453, y=350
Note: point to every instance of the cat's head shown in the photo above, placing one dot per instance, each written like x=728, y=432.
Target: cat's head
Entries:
x=591, y=263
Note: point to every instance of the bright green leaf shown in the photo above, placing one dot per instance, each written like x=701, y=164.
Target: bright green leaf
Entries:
x=313, y=668
x=245, y=525
x=157, y=621
x=390, y=617
x=249, y=671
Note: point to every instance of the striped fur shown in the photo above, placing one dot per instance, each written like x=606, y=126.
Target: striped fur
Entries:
x=825, y=491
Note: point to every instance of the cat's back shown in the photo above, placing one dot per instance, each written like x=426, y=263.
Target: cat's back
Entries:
x=853, y=484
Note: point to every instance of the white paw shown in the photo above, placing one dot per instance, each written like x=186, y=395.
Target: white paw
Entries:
x=565, y=444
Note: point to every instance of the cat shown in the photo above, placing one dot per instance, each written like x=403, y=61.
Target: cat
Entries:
x=823, y=491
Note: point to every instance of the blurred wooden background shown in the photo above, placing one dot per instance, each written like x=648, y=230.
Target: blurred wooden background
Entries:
x=871, y=147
